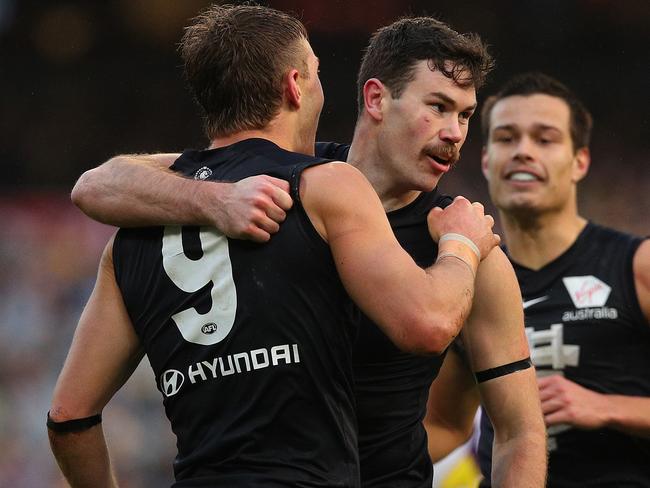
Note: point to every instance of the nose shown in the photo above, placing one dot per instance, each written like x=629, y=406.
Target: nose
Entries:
x=452, y=133
x=523, y=149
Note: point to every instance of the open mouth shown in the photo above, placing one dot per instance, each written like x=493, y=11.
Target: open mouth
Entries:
x=440, y=160
x=523, y=176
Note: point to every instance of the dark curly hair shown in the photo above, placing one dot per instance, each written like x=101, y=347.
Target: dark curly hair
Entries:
x=394, y=51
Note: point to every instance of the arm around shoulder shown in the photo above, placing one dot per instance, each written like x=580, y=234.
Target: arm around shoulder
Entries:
x=141, y=190
x=119, y=191
x=419, y=310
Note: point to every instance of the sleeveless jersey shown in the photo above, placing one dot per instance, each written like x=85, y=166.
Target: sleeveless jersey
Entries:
x=583, y=321
x=392, y=387
x=250, y=343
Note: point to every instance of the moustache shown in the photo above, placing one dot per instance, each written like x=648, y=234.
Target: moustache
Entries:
x=447, y=152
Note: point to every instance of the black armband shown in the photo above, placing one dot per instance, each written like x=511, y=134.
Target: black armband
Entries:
x=490, y=374
x=76, y=425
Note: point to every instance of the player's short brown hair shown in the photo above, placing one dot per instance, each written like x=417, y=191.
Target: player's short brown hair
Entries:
x=394, y=51
x=235, y=57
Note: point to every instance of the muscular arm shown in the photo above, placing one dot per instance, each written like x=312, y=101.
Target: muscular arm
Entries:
x=419, y=310
x=493, y=336
x=140, y=190
x=104, y=352
x=564, y=401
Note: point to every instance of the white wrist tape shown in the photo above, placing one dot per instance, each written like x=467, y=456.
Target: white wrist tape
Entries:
x=461, y=238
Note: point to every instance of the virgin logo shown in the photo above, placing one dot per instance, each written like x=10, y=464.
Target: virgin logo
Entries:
x=587, y=291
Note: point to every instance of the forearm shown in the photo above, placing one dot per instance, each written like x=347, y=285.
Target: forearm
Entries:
x=138, y=191
x=448, y=290
x=519, y=462
x=453, y=289
x=629, y=414
x=519, y=456
x=83, y=458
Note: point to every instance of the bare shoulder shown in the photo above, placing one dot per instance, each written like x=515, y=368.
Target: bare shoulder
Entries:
x=641, y=267
x=338, y=194
x=334, y=175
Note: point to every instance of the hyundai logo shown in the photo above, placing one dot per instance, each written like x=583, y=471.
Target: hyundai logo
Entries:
x=172, y=380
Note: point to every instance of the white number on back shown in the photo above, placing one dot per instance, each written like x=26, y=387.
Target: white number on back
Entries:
x=190, y=276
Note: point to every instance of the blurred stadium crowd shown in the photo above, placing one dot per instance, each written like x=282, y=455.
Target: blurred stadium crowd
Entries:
x=82, y=81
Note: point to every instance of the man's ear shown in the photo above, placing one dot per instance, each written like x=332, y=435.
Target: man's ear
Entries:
x=581, y=162
x=374, y=92
x=292, y=89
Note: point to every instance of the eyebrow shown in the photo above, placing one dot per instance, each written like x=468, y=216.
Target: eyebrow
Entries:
x=504, y=127
x=447, y=99
x=536, y=127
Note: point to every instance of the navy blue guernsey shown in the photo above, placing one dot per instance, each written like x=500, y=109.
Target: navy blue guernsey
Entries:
x=250, y=343
x=392, y=387
x=583, y=320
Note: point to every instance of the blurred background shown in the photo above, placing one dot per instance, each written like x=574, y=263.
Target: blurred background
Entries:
x=81, y=81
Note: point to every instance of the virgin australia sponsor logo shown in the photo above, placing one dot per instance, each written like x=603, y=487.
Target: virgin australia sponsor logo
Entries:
x=590, y=314
x=172, y=380
x=589, y=295
x=587, y=291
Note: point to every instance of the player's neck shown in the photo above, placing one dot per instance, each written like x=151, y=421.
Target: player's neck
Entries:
x=536, y=241
x=282, y=131
x=366, y=157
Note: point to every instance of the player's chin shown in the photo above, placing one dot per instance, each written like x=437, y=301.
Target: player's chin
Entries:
x=430, y=182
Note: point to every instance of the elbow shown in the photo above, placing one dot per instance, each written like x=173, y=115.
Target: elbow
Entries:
x=58, y=413
x=87, y=192
x=83, y=190
x=445, y=438
x=64, y=411
x=427, y=334
x=465, y=433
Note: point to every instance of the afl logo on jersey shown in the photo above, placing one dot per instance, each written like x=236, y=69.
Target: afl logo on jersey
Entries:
x=203, y=173
x=210, y=328
x=171, y=382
